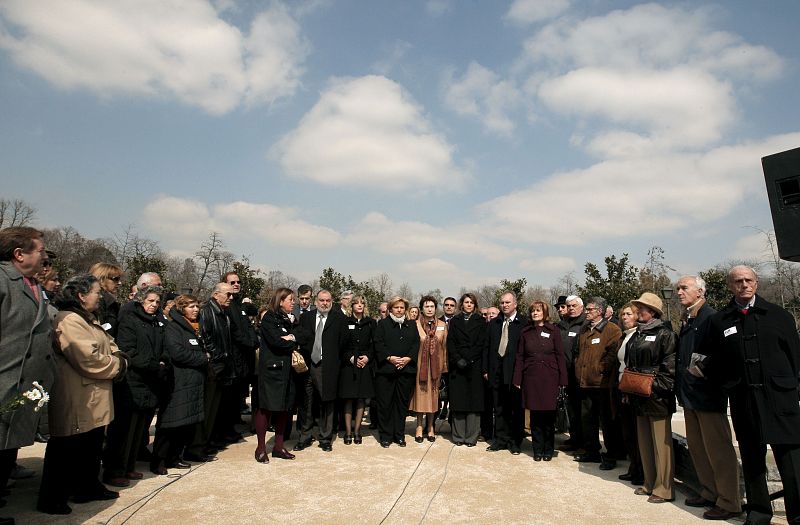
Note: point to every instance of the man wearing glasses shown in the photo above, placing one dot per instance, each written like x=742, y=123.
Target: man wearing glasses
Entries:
x=570, y=327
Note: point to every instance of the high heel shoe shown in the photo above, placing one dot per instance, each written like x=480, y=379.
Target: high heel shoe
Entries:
x=348, y=439
x=282, y=454
x=357, y=439
x=431, y=438
x=418, y=439
x=261, y=455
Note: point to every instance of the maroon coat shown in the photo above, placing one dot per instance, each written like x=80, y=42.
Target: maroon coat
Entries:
x=540, y=368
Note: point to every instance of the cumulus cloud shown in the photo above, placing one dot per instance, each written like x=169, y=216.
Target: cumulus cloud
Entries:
x=156, y=48
x=632, y=197
x=530, y=11
x=481, y=93
x=370, y=131
x=548, y=264
x=185, y=223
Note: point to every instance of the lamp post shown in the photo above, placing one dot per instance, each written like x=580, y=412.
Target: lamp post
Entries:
x=666, y=293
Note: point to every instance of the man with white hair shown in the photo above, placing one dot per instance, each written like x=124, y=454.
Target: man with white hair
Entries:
x=570, y=327
x=754, y=353
x=705, y=409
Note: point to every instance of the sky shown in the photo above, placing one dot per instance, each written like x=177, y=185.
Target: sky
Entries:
x=445, y=143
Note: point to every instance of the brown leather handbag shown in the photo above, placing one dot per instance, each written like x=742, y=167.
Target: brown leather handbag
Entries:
x=298, y=363
x=637, y=383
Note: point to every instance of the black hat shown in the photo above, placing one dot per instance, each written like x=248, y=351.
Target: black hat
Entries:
x=562, y=299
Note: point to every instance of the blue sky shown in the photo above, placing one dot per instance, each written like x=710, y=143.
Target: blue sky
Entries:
x=446, y=143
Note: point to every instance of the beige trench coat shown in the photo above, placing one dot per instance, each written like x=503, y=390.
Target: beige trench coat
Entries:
x=81, y=397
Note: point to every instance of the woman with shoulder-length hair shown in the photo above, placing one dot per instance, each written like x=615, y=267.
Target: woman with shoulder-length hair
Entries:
x=87, y=360
x=539, y=371
x=652, y=349
x=109, y=276
x=628, y=318
x=186, y=351
x=431, y=364
x=396, y=347
x=140, y=334
x=465, y=342
x=276, y=388
x=355, y=374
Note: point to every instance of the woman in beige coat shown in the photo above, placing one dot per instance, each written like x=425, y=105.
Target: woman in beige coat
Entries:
x=87, y=360
x=431, y=364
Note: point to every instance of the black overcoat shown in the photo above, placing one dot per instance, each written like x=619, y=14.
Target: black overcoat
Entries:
x=276, y=388
x=540, y=366
x=354, y=382
x=187, y=353
x=399, y=340
x=755, y=357
x=653, y=350
x=696, y=393
x=467, y=340
x=141, y=336
x=335, y=342
x=244, y=339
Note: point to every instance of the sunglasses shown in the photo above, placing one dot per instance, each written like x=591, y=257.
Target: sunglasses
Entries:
x=234, y=282
x=46, y=264
x=117, y=279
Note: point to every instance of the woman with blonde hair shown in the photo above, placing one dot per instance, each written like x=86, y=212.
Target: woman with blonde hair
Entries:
x=357, y=369
x=109, y=276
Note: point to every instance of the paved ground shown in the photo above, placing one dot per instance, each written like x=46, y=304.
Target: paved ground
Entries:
x=422, y=483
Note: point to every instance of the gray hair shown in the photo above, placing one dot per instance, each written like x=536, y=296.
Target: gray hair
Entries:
x=600, y=303
x=699, y=282
x=145, y=278
x=574, y=298
x=142, y=293
x=740, y=267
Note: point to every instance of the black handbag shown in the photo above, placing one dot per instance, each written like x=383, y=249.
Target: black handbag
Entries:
x=443, y=393
x=562, y=416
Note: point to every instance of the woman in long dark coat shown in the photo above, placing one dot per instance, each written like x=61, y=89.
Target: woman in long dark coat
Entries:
x=140, y=335
x=396, y=347
x=465, y=342
x=275, y=385
x=539, y=371
x=356, y=372
x=184, y=407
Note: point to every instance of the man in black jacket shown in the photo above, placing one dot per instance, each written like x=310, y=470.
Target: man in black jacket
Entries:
x=498, y=369
x=754, y=351
x=705, y=410
x=244, y=342
x=570, y=327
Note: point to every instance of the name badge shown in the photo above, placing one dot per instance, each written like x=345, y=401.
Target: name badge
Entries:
x=160, y=323
x=284, y=329
x=596, y=341
x=572, y=334
x=649, y=338
x=193, y=342
x=244, y=314
x=545, y=335
x=729, y=331
x=440, y=328
x=351, y=326
x=106, y=326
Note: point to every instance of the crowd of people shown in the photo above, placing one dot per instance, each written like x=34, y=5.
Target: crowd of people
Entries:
x=190, y=364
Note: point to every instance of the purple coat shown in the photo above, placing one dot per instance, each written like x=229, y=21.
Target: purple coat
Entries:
x=540, y=368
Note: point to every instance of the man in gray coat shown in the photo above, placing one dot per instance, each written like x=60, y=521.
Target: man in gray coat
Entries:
x=25, y=339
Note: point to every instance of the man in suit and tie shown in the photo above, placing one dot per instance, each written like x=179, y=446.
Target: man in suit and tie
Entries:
x=322, y=336
x=303, y=304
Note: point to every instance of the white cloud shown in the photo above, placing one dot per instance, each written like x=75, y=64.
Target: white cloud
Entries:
x=548, y=264
x=156, y=48
x=636, y=197
x=751, y=247
x=438, y=7
x=185, y=223
x=482, y=94
x=530, y=11
x=369, y=131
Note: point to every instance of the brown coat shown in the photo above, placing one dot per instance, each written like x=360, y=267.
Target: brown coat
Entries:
x=426, y=400
x=597, y=354
x=81, y=397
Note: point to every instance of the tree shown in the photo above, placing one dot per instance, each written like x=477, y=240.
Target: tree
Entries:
x=517, y=288
x=620, y=284
x=15, y=213
x=436, y=294
x=212, y=261
x=129, y=245
x=251, y=284
x=717, y=294
x=486, y=294
x=140, y=264
x=405, y=292
x=74, y=253
x=382, y=285
x=653, y=276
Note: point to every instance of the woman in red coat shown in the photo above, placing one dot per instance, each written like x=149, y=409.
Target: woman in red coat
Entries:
x=539, y=371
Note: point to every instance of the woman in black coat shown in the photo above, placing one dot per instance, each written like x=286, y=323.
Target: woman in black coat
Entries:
x=275, y=385
x=539, y=371
x=396, y=348
x=140, y=335
x=356, y=372
x=652, y=349
x=184, y=406
x=466, y=340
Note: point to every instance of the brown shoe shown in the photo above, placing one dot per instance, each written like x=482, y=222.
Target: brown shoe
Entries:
x=717, y=513
x=134, y=475
x=658, y=499
x=116, y=481
x=698, y=501
x=641, y=492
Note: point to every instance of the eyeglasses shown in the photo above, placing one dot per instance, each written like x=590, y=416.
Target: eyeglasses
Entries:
x=234, y=282
x=591, y=308
x=116, y=279
x=46, y=264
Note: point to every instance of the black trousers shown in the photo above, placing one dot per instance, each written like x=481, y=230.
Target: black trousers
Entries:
x=312, y=389
x=597, y=415
x=543, y=432
x=574, y=409
x=8, y=458
x=509, y=416
x=626, y=420
x=393, y=394
x=71, y=467
x=487, y=415
x=125, y=434
x=169, y=444
x=202, y=430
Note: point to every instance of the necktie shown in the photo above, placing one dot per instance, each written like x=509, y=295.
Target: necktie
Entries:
x=503, y=339
x=316, y=352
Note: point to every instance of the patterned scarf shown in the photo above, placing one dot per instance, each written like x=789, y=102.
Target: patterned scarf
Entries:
x=429, y=357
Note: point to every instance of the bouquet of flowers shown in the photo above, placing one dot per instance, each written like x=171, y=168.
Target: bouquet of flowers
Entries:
x=37, y=395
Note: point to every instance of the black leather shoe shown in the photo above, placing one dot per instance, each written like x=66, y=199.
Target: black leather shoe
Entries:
x=419, y=439
x=717, y=513
x=608, y=464
x=699, y=501
x=515, y=450
x=537, y=457
x=400, y=442
x=42, y=438
x=52, y=508
x=348, y=439
x=357, y=439
x=102, y=495
x=194, y=458
x=494, y=447
x=625, y=477
x=385, y=444
x=326, y=447
x=282, y=454
x=547, y=457
x=181, y=465
x=588, y=458
x=300, y=445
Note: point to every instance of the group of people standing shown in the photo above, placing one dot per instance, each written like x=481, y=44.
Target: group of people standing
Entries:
x=112, y=368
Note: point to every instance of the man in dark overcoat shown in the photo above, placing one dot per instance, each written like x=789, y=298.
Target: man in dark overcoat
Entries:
x=754, y=352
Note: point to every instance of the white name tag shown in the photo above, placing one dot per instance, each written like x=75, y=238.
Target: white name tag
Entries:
x=440, y=328
x=284, y=329
x=244, y=313
x=649, y=338
x=596, y=341
x=193, y=342
x=160, y=323
x=351, y=326
x=729, y=331
x=106, y=326
x=572, y=334
x=545, y=335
